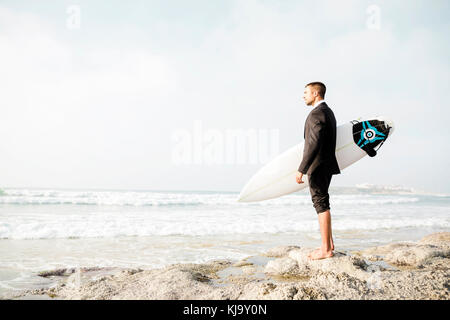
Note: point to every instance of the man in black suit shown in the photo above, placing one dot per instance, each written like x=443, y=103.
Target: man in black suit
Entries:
x=319, y=161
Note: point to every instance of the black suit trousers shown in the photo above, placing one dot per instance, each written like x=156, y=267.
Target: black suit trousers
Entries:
x=319, y=182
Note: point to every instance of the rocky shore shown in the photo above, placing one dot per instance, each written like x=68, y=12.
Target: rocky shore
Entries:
x=412, y=270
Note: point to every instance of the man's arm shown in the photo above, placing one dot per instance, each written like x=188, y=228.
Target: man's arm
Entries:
x=313, y=142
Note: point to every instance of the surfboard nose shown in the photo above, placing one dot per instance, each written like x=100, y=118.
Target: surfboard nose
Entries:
x=246, y=191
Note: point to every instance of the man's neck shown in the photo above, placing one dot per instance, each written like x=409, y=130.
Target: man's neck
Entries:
x=318, y=102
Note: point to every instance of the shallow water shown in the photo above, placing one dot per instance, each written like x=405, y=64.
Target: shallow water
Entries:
x=49, y=229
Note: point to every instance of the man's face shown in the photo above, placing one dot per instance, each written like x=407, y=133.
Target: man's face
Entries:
x=309, y=96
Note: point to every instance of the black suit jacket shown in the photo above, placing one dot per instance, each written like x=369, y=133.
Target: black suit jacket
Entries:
x=320, y=141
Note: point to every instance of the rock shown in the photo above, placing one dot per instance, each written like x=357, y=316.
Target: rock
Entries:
x=282, y=266
x=281, y=251
x=242, y=263
x=268, y=287
x=339, y=263
x=132, y=271
x=415, y=255
x=308, y=293
x=249, y=269
x=290, y=276
x=408, y=254
x=56, y=272
x=441, y=239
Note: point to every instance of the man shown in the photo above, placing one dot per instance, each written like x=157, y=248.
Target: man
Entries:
x=319, y=161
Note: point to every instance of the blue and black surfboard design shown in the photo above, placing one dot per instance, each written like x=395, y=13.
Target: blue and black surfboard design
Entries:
x=370, y=134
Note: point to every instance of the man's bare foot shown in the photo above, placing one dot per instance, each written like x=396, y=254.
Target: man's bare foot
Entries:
x=319, y=254
x=319, y=250
x=315, y=251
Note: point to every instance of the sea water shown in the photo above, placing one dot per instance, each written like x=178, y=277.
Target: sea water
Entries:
x=43, y=229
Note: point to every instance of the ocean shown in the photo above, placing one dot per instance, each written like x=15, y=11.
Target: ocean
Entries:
x=44, y=229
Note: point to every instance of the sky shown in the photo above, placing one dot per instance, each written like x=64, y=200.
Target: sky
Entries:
x=144, y=95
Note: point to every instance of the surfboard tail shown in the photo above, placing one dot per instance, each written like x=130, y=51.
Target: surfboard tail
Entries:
x=369, y=135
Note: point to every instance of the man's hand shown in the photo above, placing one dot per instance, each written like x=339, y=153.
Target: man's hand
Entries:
x=299, y=177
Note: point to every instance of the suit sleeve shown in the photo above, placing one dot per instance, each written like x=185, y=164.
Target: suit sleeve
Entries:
x=313, y=142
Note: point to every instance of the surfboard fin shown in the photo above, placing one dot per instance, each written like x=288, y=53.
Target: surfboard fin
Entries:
x=371, y=152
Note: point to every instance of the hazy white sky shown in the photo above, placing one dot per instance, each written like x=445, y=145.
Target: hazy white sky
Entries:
x=92, y=100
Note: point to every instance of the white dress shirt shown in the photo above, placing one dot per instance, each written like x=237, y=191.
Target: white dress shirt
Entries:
x=318, y=102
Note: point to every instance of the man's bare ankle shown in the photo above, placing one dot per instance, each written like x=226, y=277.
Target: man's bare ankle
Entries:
x=326, y=249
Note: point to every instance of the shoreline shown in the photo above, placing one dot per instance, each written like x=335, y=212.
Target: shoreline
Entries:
x=402, y=270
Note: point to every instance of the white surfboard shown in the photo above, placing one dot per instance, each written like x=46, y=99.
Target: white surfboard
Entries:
x=354, y=140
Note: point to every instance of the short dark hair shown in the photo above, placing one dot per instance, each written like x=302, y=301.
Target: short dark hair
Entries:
x=319, y=86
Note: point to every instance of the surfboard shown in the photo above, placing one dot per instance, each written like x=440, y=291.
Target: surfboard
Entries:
x=354, y=140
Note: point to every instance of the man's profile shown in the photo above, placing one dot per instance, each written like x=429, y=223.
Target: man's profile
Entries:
x=319, y=161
